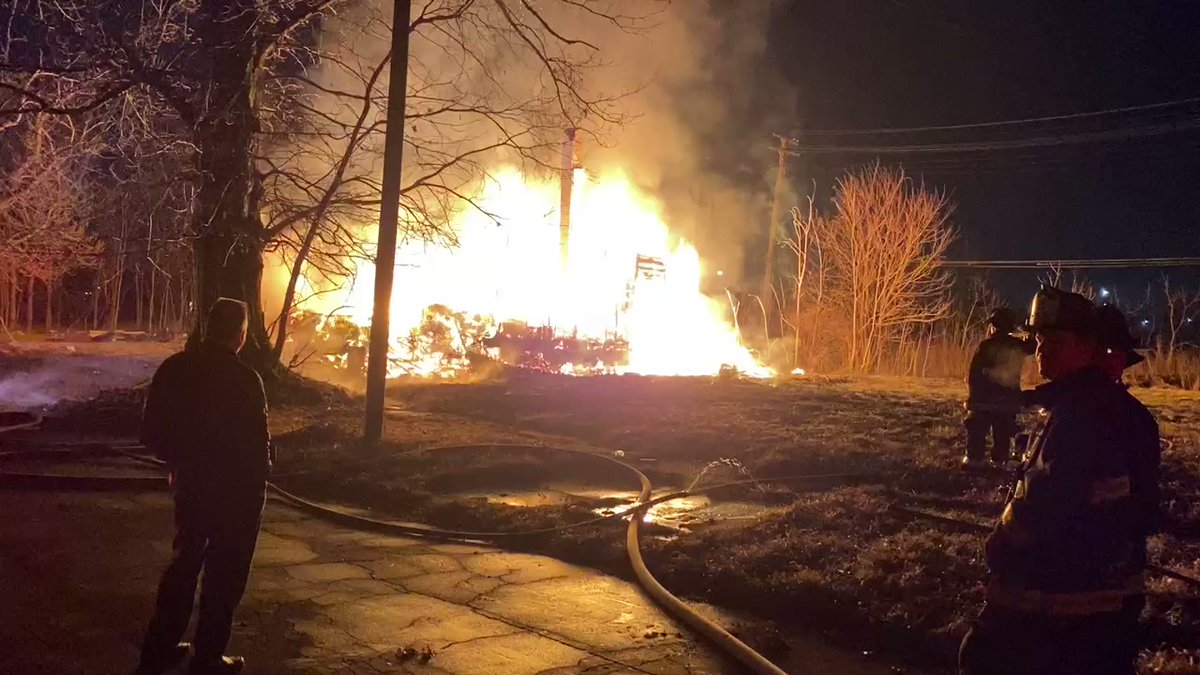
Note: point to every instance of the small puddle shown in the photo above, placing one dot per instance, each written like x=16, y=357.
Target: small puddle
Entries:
x=684, y=514
x=554, y=495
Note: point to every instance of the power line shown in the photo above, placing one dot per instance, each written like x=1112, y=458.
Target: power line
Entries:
x=1034, y=159
x=1003, y=123
x=796, y=147
x=1094, y=263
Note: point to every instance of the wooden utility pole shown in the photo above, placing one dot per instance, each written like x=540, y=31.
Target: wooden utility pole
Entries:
x=768, y=285
x=570, y=162
x=389, y=211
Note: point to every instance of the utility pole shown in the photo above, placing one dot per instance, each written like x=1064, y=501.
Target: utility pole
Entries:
x=768, y=286
x=570, y=162
x=389, y=211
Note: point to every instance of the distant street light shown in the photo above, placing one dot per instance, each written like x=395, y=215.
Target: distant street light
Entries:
x=1104, y=292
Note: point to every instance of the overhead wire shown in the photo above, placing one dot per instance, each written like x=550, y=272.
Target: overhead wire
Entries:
x=1096, y=263
x=1003, y=123
x=1031, y=160
x=796, y=147
x=1153, y=131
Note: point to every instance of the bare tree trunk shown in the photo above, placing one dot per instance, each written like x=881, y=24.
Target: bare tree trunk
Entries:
x=62, y=311
x=115, y=309
x=49, y=305
x=5, y=298
x=153, y=272
x=29, y=304
x=150, y=328
x=137, y=297
x=181, y=319
x=928, y=351
x=164, y=320
x=229, y=247
x=319, y=214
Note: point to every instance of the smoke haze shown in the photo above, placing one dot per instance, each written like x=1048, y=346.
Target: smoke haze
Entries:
x=701, y=141
x=688, y=85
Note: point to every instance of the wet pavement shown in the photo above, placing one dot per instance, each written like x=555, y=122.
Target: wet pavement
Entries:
x=77, y=577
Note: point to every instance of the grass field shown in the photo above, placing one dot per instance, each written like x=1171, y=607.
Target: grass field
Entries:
x=831, y=557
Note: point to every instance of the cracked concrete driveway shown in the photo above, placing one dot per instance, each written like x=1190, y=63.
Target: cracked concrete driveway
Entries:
x=77, y=577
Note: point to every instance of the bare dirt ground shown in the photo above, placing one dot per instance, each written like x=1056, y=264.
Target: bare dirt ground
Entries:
x=830, y=557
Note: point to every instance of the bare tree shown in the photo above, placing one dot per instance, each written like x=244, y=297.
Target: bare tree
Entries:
x=1182, y=306
x=42, y=209
x=809, y=279
x=882, y=249
x=237, y=78
x=489, y=82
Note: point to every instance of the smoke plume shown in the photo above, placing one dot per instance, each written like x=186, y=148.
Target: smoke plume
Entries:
x=701, y=140
x=683, y=114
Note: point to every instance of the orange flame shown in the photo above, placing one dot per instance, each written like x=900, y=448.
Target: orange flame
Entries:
x=508, y=266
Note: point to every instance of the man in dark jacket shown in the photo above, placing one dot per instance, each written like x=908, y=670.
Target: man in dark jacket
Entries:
x=206, y=417
x=994, y=390
x=1066, y=559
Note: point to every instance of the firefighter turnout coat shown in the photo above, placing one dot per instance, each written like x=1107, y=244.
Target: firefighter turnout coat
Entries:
x=994, y=378
x=1072, y=538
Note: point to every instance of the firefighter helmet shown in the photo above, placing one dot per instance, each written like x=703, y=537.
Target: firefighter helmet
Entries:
x=1056, y=309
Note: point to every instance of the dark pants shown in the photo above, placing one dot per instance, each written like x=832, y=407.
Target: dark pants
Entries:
x=1002, y=425
x=1003, y=643
x=217, y=536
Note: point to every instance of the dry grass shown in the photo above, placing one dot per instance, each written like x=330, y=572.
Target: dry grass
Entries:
x=836, y=560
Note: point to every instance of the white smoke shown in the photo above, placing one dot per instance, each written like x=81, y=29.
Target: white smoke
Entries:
x=46, y=382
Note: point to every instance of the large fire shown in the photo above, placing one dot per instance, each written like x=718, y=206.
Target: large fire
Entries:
x=622, y=280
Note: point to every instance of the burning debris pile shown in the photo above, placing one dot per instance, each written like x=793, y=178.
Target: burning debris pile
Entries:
x=447, y=343
x=579, y=276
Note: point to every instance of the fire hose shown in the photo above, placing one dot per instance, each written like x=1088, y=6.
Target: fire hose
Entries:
x=726, y=642
x=981, y=528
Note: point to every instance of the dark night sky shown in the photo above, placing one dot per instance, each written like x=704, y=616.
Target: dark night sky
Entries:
x=858, y=64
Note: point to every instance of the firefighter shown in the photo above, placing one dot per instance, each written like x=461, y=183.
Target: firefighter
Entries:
x=1118, y=344
x=994, y=390
x=206, y=417
x=1066, y=559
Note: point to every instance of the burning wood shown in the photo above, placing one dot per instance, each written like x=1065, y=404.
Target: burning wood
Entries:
x=626, y=297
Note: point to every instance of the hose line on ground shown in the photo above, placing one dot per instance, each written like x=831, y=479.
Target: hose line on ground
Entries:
x=981, y=528
x=722, y=639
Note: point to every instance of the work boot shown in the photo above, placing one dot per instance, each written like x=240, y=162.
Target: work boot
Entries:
x=155, y=665
x=222, y=666
x=970, y=464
